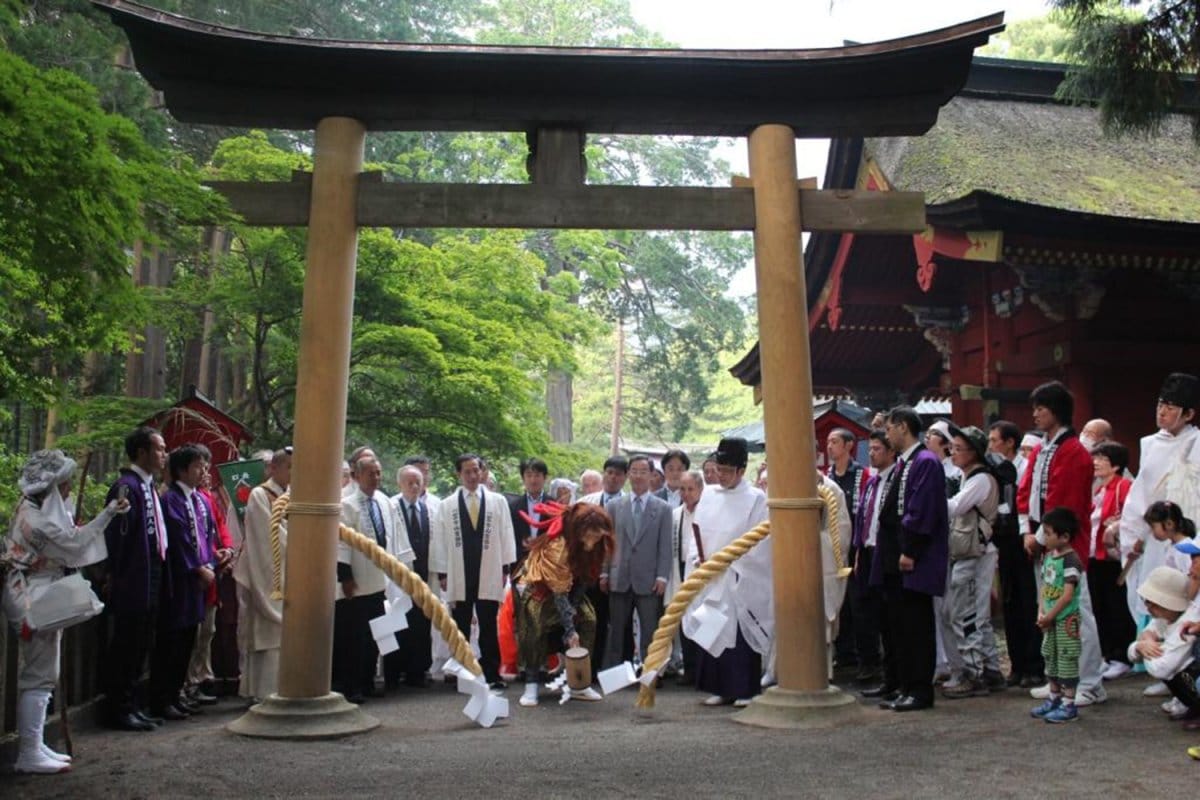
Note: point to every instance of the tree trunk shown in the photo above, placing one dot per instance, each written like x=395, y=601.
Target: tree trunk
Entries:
x=560, y=396
x=614, y=442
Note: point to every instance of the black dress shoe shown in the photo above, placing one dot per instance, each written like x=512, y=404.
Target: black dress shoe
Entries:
x=129, y=722
x=882, y=690
x=866, y=675
x=910, y=703
x=357, y=699
x=187, y=706
x=1032, y=681
x=424, y=682
x=202, y=698
x=146, y=716
x=174, y=713
x=888, y=701
x=1014, y=679
x=499, y=685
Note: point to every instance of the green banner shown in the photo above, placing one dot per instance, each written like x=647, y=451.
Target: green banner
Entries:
x=238, y=478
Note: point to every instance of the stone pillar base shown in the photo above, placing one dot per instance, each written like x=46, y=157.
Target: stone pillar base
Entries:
x=786, y=708
x=327, y=717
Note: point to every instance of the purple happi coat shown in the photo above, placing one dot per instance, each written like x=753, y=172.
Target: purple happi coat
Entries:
x=925, y=523
x=188, y=549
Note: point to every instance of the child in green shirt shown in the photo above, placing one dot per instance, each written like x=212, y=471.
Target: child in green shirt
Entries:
x=1059, y=616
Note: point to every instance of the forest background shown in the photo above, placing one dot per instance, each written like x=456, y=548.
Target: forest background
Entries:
x=508, y=343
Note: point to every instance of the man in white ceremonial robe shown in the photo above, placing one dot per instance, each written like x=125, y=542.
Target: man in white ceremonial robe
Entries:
x=729, y=668
x=260, y=616
x=362, y=585
x=1167, y=458
x=683, y=546
x=754, y=591
x=471, y=552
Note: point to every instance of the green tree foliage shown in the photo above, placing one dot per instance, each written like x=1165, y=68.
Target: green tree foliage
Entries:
x=1134, y=56
x=1044, y=38
x=449, y=337
x=77, y=187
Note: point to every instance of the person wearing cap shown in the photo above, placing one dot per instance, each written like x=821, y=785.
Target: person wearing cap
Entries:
x=137, y=553
x=1165, y=647
x=725, y=512
x=1172, y=450
x=910, y=562
x=972, y=512
x=260, y=613
x=43, y=542
x=937, y=439
x=1060, y=475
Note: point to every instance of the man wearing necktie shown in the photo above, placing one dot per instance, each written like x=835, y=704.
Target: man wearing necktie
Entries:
x=414, y=657
x=636, y=576
x=361, y=584
x=137, y=548
x=612, y=485
x=533, y=475
x=471, y=551
x=867, y=602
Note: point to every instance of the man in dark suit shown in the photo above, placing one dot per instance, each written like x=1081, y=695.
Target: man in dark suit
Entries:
x=415, y=656
x=533, y=474
x=636, y=577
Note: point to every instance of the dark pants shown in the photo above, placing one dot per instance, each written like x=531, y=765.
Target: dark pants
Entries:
x=845, y=646
x=868, y=611
x=1018, y=591
x=620, y=619
x=1183, y=683
x=128, y=646
x=911, y=643
x=354, y=649
x=168, y=665
x=599, y=601
x=415, y=656
x=489, y=639
x=1109, y=604
x=225, y=659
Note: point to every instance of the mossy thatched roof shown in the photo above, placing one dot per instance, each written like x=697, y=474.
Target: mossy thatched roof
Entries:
x=1050, y=154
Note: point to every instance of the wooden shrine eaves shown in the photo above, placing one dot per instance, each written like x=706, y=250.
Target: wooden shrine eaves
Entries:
x=219, y=75
x=417, y=205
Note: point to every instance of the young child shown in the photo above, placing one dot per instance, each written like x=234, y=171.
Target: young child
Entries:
x=1167, y=524
x=1059, y=617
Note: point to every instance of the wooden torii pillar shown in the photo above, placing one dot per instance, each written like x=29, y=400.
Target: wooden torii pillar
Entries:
x=221, y=75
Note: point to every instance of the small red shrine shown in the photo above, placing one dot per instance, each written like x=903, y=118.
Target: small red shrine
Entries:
x=195, y=420
x=1051, y=252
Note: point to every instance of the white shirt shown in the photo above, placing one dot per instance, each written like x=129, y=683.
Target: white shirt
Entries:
x=879, y=488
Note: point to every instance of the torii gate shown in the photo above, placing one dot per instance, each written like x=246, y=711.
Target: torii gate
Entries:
x=219, y=75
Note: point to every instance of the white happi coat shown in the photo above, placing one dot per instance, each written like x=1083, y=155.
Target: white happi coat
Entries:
x=1160, y=452
x=499, y=545
x=369, y=578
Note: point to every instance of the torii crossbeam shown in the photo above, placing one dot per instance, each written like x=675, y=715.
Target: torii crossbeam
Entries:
x=219, y=75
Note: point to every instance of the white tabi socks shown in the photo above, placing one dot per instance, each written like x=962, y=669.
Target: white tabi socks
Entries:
x=32, y=755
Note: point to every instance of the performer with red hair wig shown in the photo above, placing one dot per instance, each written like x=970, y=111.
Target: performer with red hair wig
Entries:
x=562, y=563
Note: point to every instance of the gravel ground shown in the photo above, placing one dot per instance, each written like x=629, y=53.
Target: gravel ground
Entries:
x=980, y=747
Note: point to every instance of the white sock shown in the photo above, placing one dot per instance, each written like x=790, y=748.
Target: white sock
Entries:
x=531, y=691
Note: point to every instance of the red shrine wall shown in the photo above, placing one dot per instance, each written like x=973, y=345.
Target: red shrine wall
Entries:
x=1017, y=348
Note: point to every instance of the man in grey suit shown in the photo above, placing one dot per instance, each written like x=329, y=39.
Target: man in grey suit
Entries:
x=636, y=577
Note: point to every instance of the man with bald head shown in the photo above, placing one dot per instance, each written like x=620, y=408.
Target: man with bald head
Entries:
x=590, y=482
x=1096, y=431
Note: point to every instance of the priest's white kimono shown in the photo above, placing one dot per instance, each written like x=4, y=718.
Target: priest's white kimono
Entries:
x=260, y=617
x=1157, y=480
x=499, y=546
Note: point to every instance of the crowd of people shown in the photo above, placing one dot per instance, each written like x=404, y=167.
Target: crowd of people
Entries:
x=1097, y=569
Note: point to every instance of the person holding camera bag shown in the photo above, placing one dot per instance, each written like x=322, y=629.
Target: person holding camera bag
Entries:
x=972, y=512
x=40, y=599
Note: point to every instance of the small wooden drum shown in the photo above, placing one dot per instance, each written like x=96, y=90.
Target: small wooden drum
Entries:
x=579, y=668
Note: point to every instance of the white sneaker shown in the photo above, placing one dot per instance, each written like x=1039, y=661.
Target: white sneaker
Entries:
x=49, y=752
x=1156, y=689
x=953, y=682
x=1117, y=670
x=529, y=697
x=1094, y=694
x=741, y=702
x=589, y=694
x=716, y=700
x=1173, y=706
x=1040, y=692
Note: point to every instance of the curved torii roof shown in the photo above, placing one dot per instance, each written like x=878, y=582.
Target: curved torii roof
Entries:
x=214, y=74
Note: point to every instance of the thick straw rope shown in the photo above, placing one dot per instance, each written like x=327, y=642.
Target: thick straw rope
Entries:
x=409, y=581
x=668, y=624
